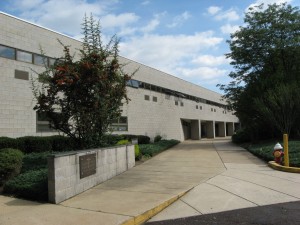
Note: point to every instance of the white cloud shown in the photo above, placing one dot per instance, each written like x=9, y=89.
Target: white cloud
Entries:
x=203, y=73
x=121, y=20
x=230, y=15
x=162, y=50
x=179, y=20
x=228, y=28
x=212, y=10
x=152, y=24
x=267, y=2
x=210, y=60
x=145, y=2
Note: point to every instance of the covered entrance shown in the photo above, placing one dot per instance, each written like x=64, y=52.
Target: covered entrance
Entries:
x=207, y=129
x=191, y=129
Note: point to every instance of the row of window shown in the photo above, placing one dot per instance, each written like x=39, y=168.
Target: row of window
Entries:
x=147, y=98
x=181, y=103
x=168, y=92
x=38, y=59
x=200, y=107
x=42, y=124
x=24, y=56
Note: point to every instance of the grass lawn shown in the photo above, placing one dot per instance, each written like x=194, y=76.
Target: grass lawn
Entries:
x=265, y=151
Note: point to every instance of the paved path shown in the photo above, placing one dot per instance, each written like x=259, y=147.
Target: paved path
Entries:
x=248, y=187
x=131, y=196
x=228, y=178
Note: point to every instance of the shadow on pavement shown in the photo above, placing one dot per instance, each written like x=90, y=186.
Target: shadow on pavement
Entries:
x=277, y=214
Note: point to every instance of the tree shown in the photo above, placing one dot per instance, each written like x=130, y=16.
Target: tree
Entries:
x=265, y=54
x=81, y=98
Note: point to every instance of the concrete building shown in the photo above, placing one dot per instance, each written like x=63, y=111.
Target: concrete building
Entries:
x=161, y=104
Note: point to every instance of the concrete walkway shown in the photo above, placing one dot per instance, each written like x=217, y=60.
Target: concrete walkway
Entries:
x=247, y=182
x=219, y=175
x=129, y=198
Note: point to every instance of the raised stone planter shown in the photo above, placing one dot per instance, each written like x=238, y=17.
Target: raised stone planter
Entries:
x=72, y=173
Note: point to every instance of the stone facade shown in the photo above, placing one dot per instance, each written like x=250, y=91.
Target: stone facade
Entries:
x=64, y=170
x=169, y=115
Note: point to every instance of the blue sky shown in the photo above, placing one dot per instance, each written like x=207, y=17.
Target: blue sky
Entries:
x=186, y=38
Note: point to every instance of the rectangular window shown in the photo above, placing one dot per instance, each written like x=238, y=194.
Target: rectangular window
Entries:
x=133, y=83
x=176, y=102
x=120, y=124
x=24, y=56
x=52, y=61
x=181, y=103
x=147, y=97
x=200, y=107
x=40, y=60
x=154, y=99
x=196, y=107
x=147, y=86
x=42, y=123
x=212, y=109
x=20, y=74
x=7, y=52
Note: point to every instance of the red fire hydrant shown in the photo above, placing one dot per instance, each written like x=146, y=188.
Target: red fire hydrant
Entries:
x=278, y=153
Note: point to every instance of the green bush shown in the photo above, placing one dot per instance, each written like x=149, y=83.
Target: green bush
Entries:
x=142, y=139
x=30, y=144
x=123, y=142
x=157, y=138
x=35, y=161
x=61, y=144
x=6, y=142
x=32, y=185
x=154, y=148
x=265, y=151
x=241, y=136
x=110, y=139
x=10, y=163
x=137, y=152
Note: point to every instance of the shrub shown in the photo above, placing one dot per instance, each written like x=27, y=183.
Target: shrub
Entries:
x=6, y=142
x=35, y=161
x=10, y=163
x=123, y=142
x=241, y=136
x=142, y=139
x=154, y=148
x=110, y=140
x=30, y=144
x=129, y=137
x=157, y=138
x=61, y=143
x=32, y=185
x=137, y=152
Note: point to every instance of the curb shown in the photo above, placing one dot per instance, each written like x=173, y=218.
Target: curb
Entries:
x=142, y=218
x=276, y=166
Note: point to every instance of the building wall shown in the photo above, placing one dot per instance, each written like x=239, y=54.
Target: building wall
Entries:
x=147, y=117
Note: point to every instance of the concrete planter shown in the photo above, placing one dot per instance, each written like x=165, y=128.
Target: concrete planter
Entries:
x=75, y=172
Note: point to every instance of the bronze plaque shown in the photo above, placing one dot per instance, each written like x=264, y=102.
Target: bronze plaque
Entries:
x=87, y=165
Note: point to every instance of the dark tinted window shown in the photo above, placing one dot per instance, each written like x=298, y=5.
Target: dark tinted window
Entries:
x=7, y=52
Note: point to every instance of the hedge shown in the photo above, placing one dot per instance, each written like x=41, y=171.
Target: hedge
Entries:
x=10, y=163
x=35, y=161
x=31, y=185
x=157, y=147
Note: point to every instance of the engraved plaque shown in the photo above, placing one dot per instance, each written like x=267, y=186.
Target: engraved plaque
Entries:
x=87, y=165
